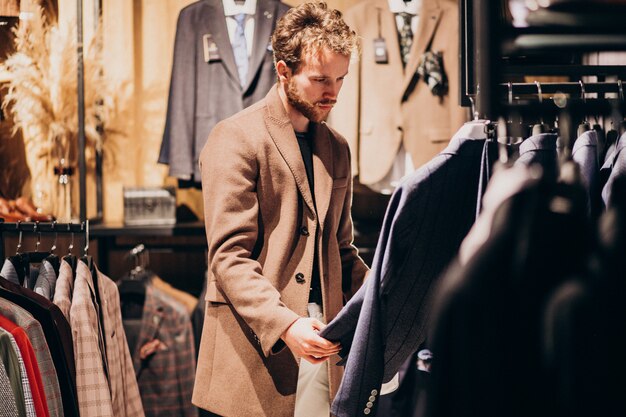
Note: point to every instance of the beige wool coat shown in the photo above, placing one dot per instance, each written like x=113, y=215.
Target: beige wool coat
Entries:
x=379, y=108
x=263, y=226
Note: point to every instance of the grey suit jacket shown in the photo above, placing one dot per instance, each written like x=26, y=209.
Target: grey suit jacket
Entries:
x=203, y=93
x=386, y=321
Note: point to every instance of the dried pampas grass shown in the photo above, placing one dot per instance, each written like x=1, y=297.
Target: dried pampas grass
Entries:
x=42, y=94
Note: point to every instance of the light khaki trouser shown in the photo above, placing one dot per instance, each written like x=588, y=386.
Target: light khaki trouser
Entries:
x=312, y=394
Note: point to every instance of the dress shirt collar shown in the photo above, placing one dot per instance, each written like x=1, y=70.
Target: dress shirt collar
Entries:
x=231, y=8
x=398, y=6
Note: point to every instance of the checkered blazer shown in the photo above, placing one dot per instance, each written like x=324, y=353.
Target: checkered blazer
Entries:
x=166, y=377
x=11, y=360
x=35, y=334
x=7, y=405
x=94, y=395
x=29, y=404
x=125, y=397
x=64, y=289
x=30, y=364
x=46, y=281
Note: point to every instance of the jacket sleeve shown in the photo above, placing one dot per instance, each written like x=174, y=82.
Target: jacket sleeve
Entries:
x=178, y=136
x=229, y=173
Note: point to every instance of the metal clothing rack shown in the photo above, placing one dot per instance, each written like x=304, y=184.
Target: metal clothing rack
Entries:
x=493, y=51
x=82, y=164
x=41, y=228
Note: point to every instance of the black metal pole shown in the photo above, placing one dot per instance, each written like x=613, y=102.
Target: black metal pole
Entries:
x=82, y=181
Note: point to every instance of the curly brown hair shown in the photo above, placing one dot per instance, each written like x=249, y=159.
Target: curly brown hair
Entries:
x=307, y=29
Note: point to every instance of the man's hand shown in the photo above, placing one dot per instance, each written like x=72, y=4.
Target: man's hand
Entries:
x=301, y=337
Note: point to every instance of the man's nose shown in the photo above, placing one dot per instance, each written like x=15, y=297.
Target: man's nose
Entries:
x=332, y=90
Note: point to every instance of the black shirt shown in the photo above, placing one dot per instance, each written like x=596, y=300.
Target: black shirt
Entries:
x=306, y=149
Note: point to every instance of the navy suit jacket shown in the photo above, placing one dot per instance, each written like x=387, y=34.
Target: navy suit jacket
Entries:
x=386, y=321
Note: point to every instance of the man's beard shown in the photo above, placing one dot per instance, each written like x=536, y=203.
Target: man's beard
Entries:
x=308, y=109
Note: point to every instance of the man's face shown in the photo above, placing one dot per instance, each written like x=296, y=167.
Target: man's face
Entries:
x=314, y=88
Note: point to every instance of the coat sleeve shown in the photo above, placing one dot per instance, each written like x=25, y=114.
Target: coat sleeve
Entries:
x=178, y=136
x=229, y=174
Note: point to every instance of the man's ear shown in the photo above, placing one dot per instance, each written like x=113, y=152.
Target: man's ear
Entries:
x=283, y=71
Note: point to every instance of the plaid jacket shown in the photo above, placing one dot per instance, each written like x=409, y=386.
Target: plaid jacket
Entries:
x=58, y=337
x=29, y=404
x=125, y=397
x=63, y=289
x=35, y=334
x=94, y=396
x=166, y=376
x=12, y=363
x=31, y=367
x=46, y=280
x=8, y=408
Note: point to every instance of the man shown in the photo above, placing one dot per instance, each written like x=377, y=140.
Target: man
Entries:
x=277, y=193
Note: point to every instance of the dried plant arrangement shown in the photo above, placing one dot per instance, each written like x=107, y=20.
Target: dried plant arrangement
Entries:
x=42, y=94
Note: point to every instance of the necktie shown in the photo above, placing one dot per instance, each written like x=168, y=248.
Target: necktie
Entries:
x=240, y=49
x=406, y=37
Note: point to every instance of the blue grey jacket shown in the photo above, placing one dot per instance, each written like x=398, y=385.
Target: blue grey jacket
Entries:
x=386, y=321
x=205, y=87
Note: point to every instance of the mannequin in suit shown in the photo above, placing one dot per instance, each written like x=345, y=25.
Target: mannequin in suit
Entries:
x=394, y=118
x=207, y=83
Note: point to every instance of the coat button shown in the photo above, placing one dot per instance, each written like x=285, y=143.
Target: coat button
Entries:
x=372, y=398
x=300, y=278
x=367, y=411
x=304, y=231
x=374, y=392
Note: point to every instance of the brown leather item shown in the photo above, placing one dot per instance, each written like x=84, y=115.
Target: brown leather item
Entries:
x=22, y=210
x=26, y=206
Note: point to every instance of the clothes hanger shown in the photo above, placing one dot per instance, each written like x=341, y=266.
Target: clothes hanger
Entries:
x=584, y=126
x=132, y=287
x=70, y=258
x=23, y=261
x=53, y=258
x=540, y=127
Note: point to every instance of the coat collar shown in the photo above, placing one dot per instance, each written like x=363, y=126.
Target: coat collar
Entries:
x=281, y=131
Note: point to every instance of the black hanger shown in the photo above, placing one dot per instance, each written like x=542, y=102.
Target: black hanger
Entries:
x=22, y=261
x=132, y=287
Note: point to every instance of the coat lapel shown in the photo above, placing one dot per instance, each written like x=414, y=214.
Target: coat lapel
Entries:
x=429, y=18
x=215, y=25
x=322, y=171
x=282, y=133
x=265, y=17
